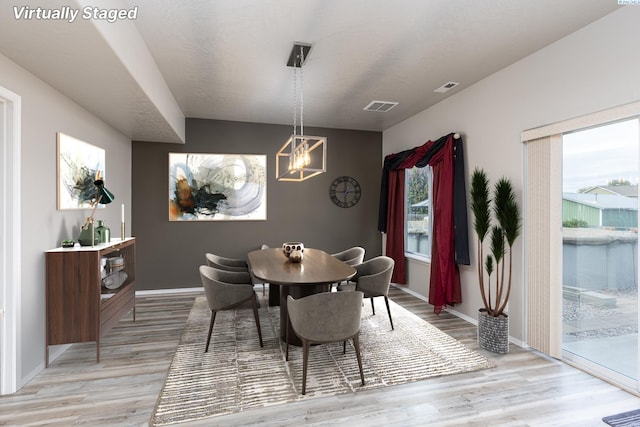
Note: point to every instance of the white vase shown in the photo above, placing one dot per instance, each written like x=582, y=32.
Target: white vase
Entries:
x=289, y=247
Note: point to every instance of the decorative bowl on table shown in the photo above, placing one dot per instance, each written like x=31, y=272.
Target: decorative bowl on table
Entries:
x=295, y=256
x=293, y=250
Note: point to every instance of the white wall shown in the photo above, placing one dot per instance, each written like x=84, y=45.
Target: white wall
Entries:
x=593, y=69
x=45, y=112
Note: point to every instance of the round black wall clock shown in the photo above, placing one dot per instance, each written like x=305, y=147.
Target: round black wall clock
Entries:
x=345, y=191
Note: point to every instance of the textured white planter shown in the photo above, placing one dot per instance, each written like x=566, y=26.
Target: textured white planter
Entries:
x=493, y=332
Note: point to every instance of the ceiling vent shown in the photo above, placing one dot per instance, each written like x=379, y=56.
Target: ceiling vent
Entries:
x=380, y=106
x=446, y=87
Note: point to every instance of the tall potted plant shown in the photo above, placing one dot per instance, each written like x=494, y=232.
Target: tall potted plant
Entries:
x=499, y=222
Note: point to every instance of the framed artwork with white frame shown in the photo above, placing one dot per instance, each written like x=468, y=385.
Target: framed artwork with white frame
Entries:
x=217, y=187
x=79, y=164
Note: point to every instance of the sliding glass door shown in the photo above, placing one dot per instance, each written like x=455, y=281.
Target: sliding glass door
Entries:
x=601, y=166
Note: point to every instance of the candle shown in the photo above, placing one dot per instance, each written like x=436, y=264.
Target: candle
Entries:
x=122, y=220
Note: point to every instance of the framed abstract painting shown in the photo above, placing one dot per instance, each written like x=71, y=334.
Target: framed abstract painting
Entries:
x=217, y=187
x=78, y=166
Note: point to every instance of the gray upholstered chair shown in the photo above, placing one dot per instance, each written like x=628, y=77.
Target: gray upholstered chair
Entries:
x=275, y=289
x=223, y=263
x=226, y=290
x=352, y=256
x=373, y=278
x=228, y=264
x=325, y=318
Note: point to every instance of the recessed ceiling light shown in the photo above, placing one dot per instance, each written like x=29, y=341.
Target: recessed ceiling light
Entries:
x=380, y=106
x=446, y=87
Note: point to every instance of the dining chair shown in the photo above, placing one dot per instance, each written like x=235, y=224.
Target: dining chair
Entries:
x=226, y=290
x=229, y=264
x=325, y=318
x=373, y=278
x=352, y=256
x=272, y=288
x=224, y=263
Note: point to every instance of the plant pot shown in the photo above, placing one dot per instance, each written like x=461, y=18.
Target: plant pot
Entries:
x=493, y=332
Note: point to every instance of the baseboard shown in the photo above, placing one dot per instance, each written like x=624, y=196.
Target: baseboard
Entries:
x=410, y=292
x=150, y=292
x=456, y=313
x=54, y=352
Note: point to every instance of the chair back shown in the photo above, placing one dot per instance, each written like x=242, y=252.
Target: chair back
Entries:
x=226, y=276
x=224, y=263
x=327, y=316
x=225, y=289
x=374, y=276
x=352, y=256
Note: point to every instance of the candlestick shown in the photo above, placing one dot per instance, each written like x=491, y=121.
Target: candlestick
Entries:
x=122, y=230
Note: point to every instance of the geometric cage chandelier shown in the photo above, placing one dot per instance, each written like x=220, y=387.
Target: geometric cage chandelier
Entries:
x=302, y=156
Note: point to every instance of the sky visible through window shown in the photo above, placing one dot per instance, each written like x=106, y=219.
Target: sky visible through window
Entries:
x=596, y=156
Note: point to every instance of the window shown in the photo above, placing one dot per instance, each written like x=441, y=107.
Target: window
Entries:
x=418, y=212
x=600, y=249
x=582, y=301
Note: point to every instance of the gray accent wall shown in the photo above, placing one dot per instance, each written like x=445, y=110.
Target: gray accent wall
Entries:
x=169, y=252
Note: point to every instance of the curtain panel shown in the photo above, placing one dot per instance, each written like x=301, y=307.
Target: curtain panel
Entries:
x=450, y=236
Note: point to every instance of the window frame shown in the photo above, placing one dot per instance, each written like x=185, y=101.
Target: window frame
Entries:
x=415, y=255
x=543, y=244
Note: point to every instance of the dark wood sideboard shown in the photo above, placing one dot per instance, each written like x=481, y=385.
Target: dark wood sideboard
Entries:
x=79, y=308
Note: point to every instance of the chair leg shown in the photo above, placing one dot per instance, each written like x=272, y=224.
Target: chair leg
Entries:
x=286, y=335
x=213, y=319
x=356, y=344
x=372, y=307
x=305, y=360
x=386, y=301
x=254, y=300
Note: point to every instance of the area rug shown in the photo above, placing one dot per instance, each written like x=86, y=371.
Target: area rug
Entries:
x=625, y=419
x=237, y=374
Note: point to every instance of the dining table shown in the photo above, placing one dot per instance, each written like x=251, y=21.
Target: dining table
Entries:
x=313, y=274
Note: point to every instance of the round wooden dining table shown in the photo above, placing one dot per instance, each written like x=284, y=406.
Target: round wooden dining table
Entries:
x=312, y=275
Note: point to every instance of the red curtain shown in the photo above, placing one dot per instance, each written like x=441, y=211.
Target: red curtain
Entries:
x=395, y=227
x=444, y=286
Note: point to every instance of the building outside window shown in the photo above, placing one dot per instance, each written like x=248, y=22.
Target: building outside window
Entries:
x=600, y=249
x=418, y=212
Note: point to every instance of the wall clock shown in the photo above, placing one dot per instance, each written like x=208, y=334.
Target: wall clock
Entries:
x=345, y=191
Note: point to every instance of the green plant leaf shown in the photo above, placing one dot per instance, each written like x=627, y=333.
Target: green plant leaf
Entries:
x=497, y=243
x=488, y=265
x=506, y=210
x=480, y=203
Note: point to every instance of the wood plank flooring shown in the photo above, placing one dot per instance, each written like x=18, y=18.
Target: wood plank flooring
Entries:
x=525, y=388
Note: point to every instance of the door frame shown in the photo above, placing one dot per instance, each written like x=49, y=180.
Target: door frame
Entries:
x=10, y=248
x=543, y=250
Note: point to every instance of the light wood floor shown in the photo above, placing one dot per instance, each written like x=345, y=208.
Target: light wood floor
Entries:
x=525, y=388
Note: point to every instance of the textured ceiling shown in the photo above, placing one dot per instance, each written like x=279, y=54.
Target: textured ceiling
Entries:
x=226, y=59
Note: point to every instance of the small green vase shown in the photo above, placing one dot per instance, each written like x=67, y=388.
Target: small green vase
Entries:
x=103, y=232
x=85, y=235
